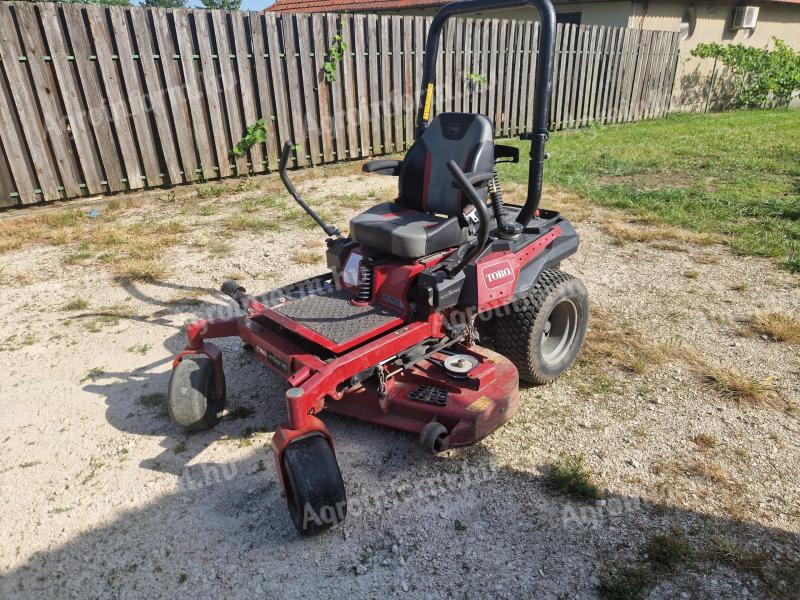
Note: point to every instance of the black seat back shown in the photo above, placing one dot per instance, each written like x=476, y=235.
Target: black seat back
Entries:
x=425, y=182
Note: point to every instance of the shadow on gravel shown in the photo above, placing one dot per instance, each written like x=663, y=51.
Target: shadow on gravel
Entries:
x=135, y=399
x=440, y=527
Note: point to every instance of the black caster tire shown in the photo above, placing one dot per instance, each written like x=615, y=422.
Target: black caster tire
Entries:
x=192, y=400
x=315, y=492
x=545, y=330
x=434, y=438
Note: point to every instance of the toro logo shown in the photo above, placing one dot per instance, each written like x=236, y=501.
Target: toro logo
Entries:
x=501, y=275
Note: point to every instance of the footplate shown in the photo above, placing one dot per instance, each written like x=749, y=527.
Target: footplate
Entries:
x=333, y=321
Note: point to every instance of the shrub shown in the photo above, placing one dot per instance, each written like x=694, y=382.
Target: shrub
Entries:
x=763, y=77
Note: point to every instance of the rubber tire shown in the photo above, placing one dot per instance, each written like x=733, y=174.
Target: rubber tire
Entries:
x=315, y=493
x=518, y=335
x=191, y=402
x=434, y=438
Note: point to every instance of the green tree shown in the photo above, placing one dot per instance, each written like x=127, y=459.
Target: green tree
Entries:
x=102, y=2
x=165, y=3
x=221, y=4
x=763, y=77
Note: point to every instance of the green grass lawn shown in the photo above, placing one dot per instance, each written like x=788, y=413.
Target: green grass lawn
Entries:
x=735, y=174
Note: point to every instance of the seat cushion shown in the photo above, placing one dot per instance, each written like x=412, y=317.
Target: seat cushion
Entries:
x=397, y=230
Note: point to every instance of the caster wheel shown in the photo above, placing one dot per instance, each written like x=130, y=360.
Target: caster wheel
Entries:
x=434, y=438
x=545, y=330
x=192, y=401
x=314, y=488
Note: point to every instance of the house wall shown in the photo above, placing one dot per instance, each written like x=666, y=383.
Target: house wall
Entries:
x=712, y=24
x=614, y=13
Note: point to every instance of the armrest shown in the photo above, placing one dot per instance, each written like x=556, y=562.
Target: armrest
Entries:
x=501, y=151
x=382, y=167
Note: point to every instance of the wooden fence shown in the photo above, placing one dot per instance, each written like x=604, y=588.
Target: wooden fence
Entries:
x=103, y=99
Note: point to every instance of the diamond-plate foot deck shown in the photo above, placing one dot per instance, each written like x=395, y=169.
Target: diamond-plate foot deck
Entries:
x=332, y=316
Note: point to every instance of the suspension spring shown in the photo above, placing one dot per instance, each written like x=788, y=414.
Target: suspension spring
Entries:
x=498, y=208
x=365, y=275
x=507, y=229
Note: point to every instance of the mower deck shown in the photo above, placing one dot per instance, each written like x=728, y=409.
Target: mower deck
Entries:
x=470, y=407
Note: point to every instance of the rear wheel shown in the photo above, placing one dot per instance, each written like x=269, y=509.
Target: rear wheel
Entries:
x=314, y=488
x=545, y=330
x=192, y=400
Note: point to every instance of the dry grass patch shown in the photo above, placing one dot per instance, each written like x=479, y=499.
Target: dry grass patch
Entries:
x=306, y=257
x=251, y=205
x=76, y=304
x=776, y=326
x=630, y=232
x=138, y=269
x=250, y=224
x=612, y=347
x=132, y=250
x=705, y=441
x=710, y=471
x=705, y=259
x=13, y=278
x=620, y=345
x=732, y=385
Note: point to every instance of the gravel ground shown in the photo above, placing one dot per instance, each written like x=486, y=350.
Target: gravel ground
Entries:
x=103, y=497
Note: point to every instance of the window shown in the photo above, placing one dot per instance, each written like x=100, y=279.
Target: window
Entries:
x=688, y=21
x=569, y=18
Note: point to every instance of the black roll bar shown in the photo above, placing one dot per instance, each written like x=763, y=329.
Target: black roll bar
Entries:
x=543, y=84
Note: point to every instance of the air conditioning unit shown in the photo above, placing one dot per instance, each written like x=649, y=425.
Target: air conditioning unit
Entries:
x=744, y=17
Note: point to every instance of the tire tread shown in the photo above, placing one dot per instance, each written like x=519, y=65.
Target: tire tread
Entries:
x=513, y=331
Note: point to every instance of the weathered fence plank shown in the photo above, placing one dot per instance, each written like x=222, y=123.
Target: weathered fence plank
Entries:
x=75, y=111
x=397, y=85
x=374, y=89
x=47, y=93
x=276, y=70
x=23, y=97
x=348, y=89
x=244, y=72
x=386, y=84
x=308, y=73
x=167, y=49
x=152, y=83
x=362, y=91
x=264, y=85
x=201, y=126
x=210, y=81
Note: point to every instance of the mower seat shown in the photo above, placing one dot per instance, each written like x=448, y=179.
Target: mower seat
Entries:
x=428, y=215
x=397, y=230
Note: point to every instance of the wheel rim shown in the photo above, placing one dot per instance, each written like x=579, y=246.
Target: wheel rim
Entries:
x=559, y=332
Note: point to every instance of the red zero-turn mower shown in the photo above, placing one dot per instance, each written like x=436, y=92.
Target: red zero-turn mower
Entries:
x=398, y=332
